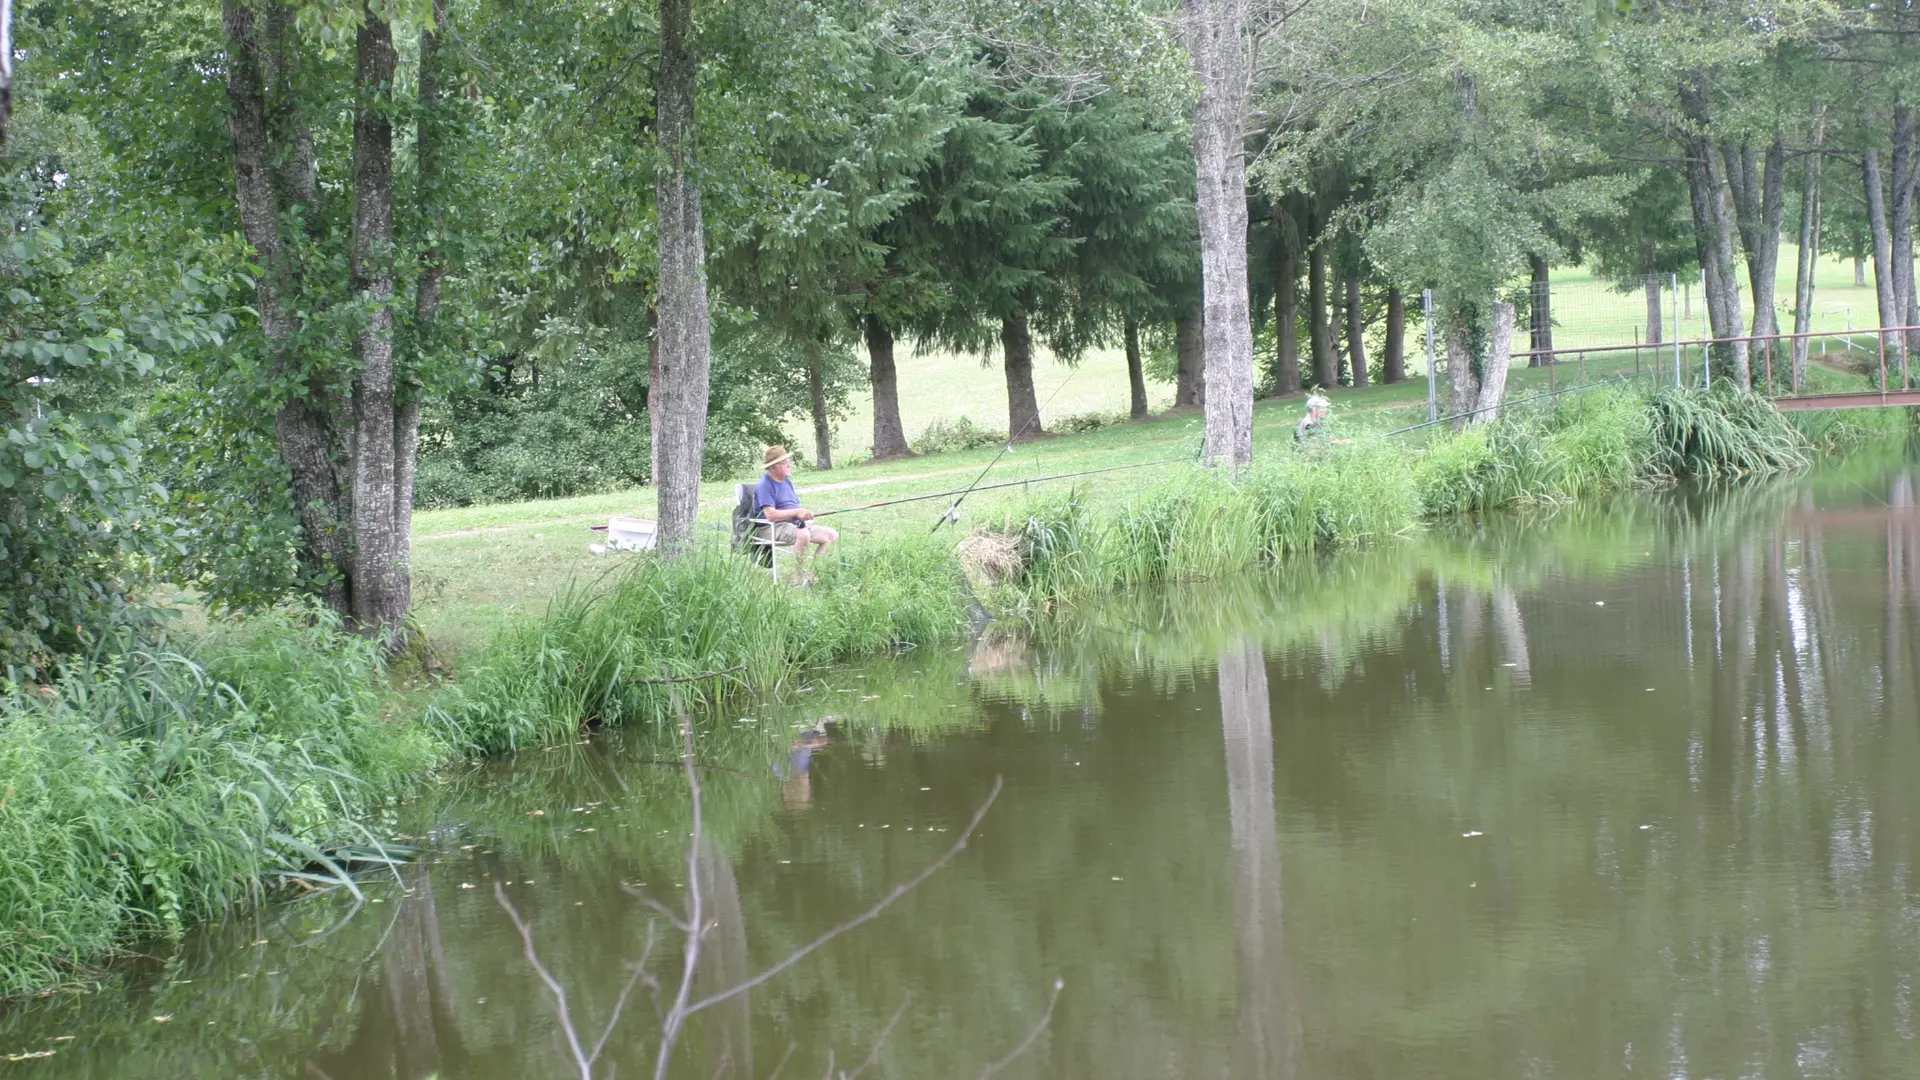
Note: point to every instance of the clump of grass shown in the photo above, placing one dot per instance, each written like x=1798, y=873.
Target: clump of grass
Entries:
x=689, y=631
x=148, y=789
x=1722, y=434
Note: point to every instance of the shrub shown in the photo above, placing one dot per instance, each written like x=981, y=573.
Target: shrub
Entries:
x=949, y=436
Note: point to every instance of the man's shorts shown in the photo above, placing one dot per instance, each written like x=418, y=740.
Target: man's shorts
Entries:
x=782, y=532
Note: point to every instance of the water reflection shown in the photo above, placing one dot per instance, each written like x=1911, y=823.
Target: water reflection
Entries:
x=1586, y=794
x=1265, y=1043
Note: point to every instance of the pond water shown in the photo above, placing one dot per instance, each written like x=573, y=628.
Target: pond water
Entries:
x=1588, y=794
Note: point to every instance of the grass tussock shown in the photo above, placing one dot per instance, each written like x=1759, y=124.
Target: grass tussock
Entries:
x=146, y=790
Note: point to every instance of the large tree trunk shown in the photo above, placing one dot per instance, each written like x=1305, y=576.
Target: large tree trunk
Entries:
x=1394, y=368
x=378, y=596
x=302, y=431
x=1809, y=254
x=1136, y=371
x=6, y=69
x=1356, y=331
x=1190, y=357
x=1023, y=408
x=1216, y=39
x=889, y=437
x=430, y=197
x=1877, y=225
x=1540, y=312
x=817, y=400
x=685, y=322
x=1326, y=364
x=653, y=389
x=1713, y=236
x=1758, y=193
x=1476, y=387
x=1906, y=164
x=1286, y=329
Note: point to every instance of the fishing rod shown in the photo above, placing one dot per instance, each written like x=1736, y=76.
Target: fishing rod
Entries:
x=976, y=486
x=953, y=512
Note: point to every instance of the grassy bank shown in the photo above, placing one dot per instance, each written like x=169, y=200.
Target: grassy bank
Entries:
x=149, y=790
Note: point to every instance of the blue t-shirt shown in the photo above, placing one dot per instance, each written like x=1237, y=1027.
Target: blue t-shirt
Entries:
x=778, y=494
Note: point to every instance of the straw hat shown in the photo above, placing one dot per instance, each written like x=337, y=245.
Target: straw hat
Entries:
x=775, y=455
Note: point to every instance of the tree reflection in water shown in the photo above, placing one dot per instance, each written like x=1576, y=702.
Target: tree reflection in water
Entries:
x=1246, y=719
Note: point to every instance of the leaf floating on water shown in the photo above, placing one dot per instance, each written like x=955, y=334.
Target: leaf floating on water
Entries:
x=466, y=884
x=29, y=1055
x=163, y=1019
x=536, y=813
x=1470, y=833
x=1599, y=603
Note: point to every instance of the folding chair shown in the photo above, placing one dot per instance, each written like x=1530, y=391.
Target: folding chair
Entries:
x=747, y=537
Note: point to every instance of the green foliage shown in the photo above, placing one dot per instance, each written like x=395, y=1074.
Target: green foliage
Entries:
x=146, y=789
x=949, y=436
x=1722, y=434
x=710, y=618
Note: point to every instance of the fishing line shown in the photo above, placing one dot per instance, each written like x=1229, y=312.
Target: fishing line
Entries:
x=953, y=512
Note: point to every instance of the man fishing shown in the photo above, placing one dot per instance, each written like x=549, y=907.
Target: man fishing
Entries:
x=1313, y=429
x=791, y=523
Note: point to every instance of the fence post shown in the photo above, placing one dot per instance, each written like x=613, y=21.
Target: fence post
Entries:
x=1673, y=286
x=1433, y=402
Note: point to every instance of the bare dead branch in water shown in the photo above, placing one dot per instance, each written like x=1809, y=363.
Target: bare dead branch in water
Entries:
x=864, y=917
x=1026, y=1043
x=881, y=1041
x=559, y=992
x=696, y=924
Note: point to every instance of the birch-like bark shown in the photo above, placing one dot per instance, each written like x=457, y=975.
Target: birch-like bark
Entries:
x=1476, y=389
x=889, y=437
x=6, y=69
x=1882, y=233
x=1217, y=40
x=1136, y=370
x=1713, y=234
x=685, y=321
x=1394, y=366
x=1809, y=254
x=1906, y=170
x=378, y=598
x=1023, y=408
x=1758, y=187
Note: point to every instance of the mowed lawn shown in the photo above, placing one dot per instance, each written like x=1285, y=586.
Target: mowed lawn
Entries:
x=478, y=568
x=938, y=387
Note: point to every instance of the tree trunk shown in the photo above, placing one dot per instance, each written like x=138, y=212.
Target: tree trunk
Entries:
x=1264, y=1047
x=1540, y=312
x=1655, y=329
x=817, y=399
x=1216, y=40
x=430, y=197
x=1759, y=203
x=1395, y=369
x=302, y=431
x=1477, y=387
x=378, y=593
x=889, y=437
x=1136, y=373
x=685, y=322
x=1859, y=272
x=653, y=389
x=1023, y=409
x=1877, y=225
x=1906, y=164
x=1809, y=254
x=1189, y=345
x=1356, y=331
x=1713, y=236
x=1286, y=329
x=1326, y=370
x=6, y=69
